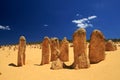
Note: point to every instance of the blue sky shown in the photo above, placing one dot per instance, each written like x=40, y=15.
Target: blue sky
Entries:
x=54, y=18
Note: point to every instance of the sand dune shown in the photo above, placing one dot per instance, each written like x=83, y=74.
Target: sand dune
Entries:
x=105, y=70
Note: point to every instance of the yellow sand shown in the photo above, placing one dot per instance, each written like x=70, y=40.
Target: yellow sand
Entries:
x=109, y=69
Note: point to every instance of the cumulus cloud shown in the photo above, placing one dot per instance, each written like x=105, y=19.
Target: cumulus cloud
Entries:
x=4, y=27
x=84, y=22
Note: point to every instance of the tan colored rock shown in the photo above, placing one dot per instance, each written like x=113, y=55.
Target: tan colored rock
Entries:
x=80, y=49
x=64, y=50
x=57, y=64
x=110, y=46
x=45, y=51
x=97, y=47
x=83, y=62
x=21, y=51
x=54, y=45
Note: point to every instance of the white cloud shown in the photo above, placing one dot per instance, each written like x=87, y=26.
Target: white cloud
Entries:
x=45, y=25
x=92, y=17
x=80, y=21
x=84, y=22
x=4, y=27
x=84, y=25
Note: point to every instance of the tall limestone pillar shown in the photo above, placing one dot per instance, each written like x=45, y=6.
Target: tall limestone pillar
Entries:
x=45, y=51
x=80, y=49
x=64, y=50
x=21, y=51
x=97, y=47
x=54, y=45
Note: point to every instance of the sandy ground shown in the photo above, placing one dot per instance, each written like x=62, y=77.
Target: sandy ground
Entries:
x=105, y=70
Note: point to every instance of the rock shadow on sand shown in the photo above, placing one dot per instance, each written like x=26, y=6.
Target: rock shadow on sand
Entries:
x=37, y=64
x=12, y=64
x=68, y=66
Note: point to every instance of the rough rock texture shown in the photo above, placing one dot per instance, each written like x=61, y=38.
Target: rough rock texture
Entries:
x=64, y=50
x=97, y=47
x=54, y=45
x=83, y=62
x=110, y=46
x=80, y=49
x=57, y=64
x=21, y=51
x=45, y=51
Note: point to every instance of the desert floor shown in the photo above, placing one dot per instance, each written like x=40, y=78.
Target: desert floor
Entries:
x=105, y=70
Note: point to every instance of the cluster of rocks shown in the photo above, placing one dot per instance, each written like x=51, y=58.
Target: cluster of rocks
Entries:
x=54, y=51
x=58, y=52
